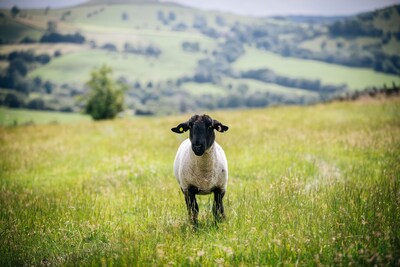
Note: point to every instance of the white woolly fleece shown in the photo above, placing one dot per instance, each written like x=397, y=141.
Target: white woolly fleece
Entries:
x=205, y=172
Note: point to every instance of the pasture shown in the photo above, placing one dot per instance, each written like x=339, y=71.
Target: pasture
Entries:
x=354, y=78
x=315, y=185
x=15, y=117
x=136, y=67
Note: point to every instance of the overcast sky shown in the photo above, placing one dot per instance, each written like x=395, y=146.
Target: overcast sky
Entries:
x=248, y=7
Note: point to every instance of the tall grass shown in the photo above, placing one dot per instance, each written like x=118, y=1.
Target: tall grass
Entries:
x=15, y=117
x=308, y=186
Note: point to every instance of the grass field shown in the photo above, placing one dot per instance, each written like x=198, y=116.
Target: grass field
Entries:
x=355, y=78
x=15, y=117
x=43, y=48
x=15, y=31
x=171, y=64
x=198, y=89
x=141, y=16
x=258, y=86
x=135, y=67
x=316, y=185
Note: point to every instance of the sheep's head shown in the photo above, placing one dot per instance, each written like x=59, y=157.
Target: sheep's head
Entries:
x=202, y=134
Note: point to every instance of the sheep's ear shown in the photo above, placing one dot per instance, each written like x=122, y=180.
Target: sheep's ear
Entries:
x=219, y=126
x=181, y=128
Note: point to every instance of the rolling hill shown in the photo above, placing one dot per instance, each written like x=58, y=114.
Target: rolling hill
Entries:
x=178, y=59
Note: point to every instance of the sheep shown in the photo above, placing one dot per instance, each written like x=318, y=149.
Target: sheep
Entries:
x=200, y=165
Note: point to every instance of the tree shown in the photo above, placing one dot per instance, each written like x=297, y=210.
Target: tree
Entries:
x=43, y=58
x=27, y=40
x=124, y=16
x=62, y=38
x=51, y=26
x=57, y=53
x=19, y=66
x=160, y=15
x=36, y=103
x=14, y=100
x=106, y=96
x=15, y=11
x=171, y=16
x=49, y=87
x=110, y=47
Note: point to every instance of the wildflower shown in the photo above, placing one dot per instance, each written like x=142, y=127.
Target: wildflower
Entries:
x=200, y=253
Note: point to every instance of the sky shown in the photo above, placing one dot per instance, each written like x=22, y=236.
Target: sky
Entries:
x=247, y=7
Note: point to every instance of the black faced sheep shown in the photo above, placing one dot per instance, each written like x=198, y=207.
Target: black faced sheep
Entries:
x=200, y=165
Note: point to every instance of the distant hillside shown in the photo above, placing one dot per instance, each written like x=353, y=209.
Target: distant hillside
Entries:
x=311, y=19
x=120, y=2
x=176, y=59
x=369, y=40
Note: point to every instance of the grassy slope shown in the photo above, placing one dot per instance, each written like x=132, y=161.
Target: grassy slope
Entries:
x=146, y=16
x=12, y=30
x=385, y=19
x=258, y=86
x=43, y=48
x=326, y=43
x=135, y=67
x=10, y=117
x=106, y=25
x=199, y=89
x=355, y=78
x=308, y=185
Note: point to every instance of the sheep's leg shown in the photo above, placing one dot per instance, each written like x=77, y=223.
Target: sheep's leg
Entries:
x=191, y=204
x=218, y=207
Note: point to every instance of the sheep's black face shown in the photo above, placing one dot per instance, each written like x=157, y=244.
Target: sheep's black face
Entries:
x=202, y=134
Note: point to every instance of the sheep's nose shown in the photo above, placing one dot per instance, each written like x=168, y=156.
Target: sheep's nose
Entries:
x=198, y=149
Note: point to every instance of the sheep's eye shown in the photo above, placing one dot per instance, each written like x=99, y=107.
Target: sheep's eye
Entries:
x=210, y=127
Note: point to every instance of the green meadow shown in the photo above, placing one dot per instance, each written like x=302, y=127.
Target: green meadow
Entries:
x=354, y=78
x=17, y=30
x=15, y=117
x=66, y=69
x=314, y=185
x=258, y=86
x=171, y=65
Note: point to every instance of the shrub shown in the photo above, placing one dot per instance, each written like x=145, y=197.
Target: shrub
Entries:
x=43, y=58
x=36, y=103
x=14, y=100
x=61, y=38
x=27, y=40
x=57, y=53
x=15, y=11
x=110, y=47
x=106, y=96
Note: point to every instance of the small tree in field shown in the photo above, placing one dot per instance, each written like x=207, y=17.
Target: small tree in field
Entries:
x=15, y=11
x=106, y=96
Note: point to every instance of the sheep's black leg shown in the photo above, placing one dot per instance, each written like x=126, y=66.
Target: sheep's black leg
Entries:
x=191, y=204
x=218, y=207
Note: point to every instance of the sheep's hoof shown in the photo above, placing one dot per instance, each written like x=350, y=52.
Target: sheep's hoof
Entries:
x=219, y=217
x=193, y=220
x=219, y=214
